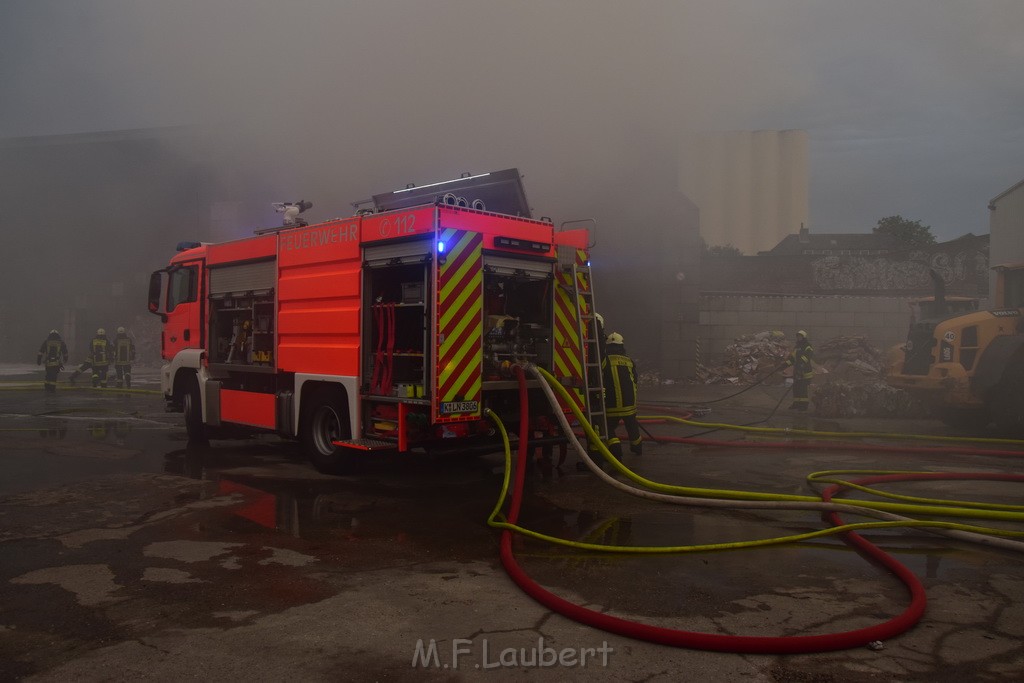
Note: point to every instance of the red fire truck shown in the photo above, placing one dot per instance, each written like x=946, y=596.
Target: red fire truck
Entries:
x=393, y=329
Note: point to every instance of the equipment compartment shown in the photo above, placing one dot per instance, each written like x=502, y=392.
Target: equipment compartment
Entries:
x=395, y=330
x=242, y=328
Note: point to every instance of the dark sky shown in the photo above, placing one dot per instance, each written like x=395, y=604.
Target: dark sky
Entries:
x=913, y=107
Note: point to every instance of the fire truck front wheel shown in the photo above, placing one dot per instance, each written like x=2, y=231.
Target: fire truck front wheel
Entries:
x=325, y=421
x=193, y=409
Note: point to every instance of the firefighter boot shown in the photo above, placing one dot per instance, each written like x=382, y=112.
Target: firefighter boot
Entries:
x=73, y=378
x=127, y=380
x=636, y=447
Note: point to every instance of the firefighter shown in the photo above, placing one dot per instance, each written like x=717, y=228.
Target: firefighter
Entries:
x=99, y=359
x=620, y=395
x=803, y=372
x=55, y=352
x=124, y=356
x=100, y=356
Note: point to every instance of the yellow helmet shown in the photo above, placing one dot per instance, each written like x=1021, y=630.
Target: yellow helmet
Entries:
x=614, y=338
x=801, y=333
x=120, y=330
x=100, y=332
x=54, y=332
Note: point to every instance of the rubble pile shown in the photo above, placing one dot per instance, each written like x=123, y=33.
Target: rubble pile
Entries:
x=849, y=374
x=145, y=331
x=750, y=359
x=855, y=384
x=650, y=379
x=840, y=398
x=850, y=359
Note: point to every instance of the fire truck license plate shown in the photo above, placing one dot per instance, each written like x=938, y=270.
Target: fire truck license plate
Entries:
x=460, y=407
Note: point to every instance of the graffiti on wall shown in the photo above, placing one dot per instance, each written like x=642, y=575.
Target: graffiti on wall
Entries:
x=859, y=273
x=961, y=266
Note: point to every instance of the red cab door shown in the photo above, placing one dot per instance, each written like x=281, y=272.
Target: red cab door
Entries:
x=183, y=326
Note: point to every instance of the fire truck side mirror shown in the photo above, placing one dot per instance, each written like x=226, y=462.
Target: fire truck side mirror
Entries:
x=157, y=287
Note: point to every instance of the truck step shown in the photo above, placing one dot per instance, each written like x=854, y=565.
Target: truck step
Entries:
x=366, y=444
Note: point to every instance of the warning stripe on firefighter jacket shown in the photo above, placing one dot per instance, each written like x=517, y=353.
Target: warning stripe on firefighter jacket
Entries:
x=460, y=325
x=568, y=361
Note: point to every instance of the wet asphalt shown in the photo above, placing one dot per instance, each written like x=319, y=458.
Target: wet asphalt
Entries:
x=126, y=553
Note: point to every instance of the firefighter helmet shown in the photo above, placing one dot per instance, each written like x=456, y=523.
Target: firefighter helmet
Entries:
x=614, y=338
x=54, y=332
x=801, y=333
x=600, y=319
x=100, y=332
x=120, y=330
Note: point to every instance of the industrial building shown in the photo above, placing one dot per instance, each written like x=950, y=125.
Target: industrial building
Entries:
x=751, y=186
x=1006, y=225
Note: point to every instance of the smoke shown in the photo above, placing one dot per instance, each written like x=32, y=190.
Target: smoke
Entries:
x=912, y=108
x=397, y=89
x=373, y=79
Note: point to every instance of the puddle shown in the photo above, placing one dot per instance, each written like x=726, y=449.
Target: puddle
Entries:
x=441, y=507
x=409, y=501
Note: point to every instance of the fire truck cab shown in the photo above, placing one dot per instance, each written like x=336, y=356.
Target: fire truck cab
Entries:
x=394, y=329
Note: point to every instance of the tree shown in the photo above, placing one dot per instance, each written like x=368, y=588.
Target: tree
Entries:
x=724, y=250
x=911, y=233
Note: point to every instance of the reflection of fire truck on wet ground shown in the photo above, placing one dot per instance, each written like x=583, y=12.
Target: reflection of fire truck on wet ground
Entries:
x=395, y=329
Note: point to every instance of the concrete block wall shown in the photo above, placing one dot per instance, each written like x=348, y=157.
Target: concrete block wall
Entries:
x=725, y=317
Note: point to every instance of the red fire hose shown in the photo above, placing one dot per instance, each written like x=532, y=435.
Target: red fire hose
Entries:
x=711, y=641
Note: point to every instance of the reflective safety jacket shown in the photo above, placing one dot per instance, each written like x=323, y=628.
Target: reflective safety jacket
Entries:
x=800, y=359
x=100, y=351
x=54, y=351
x=620, y=388
x=124, y=350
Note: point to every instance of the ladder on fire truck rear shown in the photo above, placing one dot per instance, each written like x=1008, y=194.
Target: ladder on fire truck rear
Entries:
x=590, y=350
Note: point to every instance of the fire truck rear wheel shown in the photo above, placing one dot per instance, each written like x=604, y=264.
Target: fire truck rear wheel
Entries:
x=193, y=408
x=324, y=422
